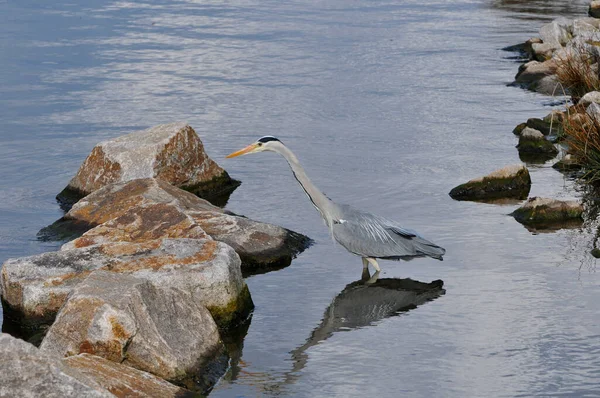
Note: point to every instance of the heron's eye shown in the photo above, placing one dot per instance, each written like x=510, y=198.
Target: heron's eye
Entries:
x=260, y=144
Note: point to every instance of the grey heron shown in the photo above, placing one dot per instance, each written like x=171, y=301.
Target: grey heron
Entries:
x=364, y=234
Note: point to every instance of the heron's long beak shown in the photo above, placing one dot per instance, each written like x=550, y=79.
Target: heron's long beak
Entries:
x=241, y=152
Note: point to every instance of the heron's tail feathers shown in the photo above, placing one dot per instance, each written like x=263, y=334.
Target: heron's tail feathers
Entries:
x=429, y=249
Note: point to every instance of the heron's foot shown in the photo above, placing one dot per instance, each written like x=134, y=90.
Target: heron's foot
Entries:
x=373, y=263
x=373, y=279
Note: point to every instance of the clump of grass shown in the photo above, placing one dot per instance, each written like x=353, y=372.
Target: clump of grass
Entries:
x=582, y=134
x=578, y=71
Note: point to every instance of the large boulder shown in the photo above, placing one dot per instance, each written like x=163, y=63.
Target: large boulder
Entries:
x=172, y=152
x=25, y=372
x=508, y=182
x=34, y=288
x=556, y=32
x=132, y=321
x=127, y=210
x=123, y=381
x=545, y=212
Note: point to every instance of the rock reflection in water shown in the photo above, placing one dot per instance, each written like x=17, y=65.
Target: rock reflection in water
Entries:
x=363, y=303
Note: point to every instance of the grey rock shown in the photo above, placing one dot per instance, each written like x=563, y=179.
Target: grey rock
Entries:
x=137, y=323
x=25, y=372
x=589, y=98
x=35, y=287
x=172, y=152
x=555, y=33
x=593, y=111
x=533, y=142
x=544, y=51
x=584, y=25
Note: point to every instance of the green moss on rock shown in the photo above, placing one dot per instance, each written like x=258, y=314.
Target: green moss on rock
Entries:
x=543, y=211
x=509, y=182
x=234, y=312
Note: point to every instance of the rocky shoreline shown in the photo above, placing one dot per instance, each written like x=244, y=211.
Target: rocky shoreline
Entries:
x=137, y=301
x=562, y=61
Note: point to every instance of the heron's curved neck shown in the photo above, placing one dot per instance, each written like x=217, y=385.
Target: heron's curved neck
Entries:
x=318, y=199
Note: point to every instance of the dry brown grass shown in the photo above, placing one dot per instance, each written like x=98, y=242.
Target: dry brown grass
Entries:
x=582, y=134
x=578, y=72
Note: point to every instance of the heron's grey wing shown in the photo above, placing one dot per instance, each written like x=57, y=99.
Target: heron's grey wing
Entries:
x=369, y=235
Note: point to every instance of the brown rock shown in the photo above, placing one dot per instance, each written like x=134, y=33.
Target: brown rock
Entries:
x=511, y=181
x=550, y=213
x=121, y=380
x=172, y=152
x=144, y=209
x=26, y=372
x=132, y=321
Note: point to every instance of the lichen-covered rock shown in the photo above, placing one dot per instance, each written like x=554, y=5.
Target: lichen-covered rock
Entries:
x=533, y=142
x=123, y=381
x=172, y=152
x=25, y=372
x=542, y=126
x=544, y=211
x=508, y=182
x=132, y=321
x=36, y=287
x=143, y=209
x=594, y=9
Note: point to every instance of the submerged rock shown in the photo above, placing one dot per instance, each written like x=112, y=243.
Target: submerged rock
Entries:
x=533, y=142
x=172, y=152
x=25, y=372
x=567, y=164
x=542, y=212
x=123, y=381
x=144, y=209
x=508, y=182
x=129, y=320
x=35, y=287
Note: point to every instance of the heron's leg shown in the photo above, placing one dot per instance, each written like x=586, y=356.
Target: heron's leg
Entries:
x=373, y=279
x=365, y=264
x=374, y=263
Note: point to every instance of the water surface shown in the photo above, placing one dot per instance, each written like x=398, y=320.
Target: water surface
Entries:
x=388, y=105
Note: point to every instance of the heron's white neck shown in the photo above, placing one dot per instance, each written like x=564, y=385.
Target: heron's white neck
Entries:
x=318, y=199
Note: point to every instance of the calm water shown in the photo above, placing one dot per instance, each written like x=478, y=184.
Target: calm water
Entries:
x=388, y=105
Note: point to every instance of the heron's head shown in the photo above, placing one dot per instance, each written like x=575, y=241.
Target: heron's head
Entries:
x=266, y=143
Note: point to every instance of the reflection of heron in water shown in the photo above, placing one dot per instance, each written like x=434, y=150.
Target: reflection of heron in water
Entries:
x=363, y=303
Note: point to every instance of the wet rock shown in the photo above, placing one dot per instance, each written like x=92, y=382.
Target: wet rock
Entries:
x=172, y=152
x=36, y=287
x=567, y=164
x=589, y=98
x=542, y=126
x=508, y=182
x=261, y=246
x=123, y=381
x=533, y=142
x=519, y=129
x=548, y=212
x=594, y=9
x=26, y=372
x=140, y=324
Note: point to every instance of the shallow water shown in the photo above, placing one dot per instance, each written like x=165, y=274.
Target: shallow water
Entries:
x=388, y=105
